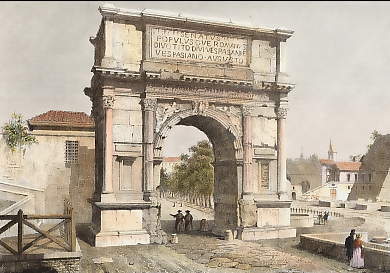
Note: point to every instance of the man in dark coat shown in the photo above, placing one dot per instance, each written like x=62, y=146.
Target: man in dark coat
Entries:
x=325, y=217
x=349, y=244
x=188, y=221
x=179, y=222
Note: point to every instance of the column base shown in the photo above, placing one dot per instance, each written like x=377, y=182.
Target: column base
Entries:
x=263, y=233
x=121, y=238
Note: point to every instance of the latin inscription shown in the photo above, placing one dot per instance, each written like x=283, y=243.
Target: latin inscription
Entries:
x=264, y=175
x=187, y=45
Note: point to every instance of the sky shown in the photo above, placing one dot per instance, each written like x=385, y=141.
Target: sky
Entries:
x=338, y=57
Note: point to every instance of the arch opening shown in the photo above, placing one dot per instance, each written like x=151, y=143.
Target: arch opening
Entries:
x=226, y=180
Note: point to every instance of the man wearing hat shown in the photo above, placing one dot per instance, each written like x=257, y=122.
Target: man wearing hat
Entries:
x=179, y=223
x=188, y=221
x=349, y=244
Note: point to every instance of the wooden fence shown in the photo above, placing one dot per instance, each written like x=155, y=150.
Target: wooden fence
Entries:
x=67, y=220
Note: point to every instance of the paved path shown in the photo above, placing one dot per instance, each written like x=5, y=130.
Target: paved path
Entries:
x=197, y=212
x=203, y=253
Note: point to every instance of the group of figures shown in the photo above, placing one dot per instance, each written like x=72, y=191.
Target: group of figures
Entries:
x=354, y=248
x=323, y=219
x=183, y=222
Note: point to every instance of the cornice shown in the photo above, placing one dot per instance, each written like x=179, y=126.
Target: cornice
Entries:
x=148, y=16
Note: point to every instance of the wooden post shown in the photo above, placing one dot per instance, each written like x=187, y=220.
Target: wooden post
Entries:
x=72, y=231
x=20, y=232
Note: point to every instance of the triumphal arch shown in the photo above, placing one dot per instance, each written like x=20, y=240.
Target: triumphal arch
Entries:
x=155, y=70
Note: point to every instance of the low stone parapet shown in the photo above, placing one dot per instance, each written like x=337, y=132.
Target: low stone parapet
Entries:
x=350, y=205
x=327, y=204
x=360, y=207
x=301, y=220
x=385, y=208
x=376, y=256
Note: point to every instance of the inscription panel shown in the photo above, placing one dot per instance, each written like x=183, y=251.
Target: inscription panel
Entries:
x=197, y=46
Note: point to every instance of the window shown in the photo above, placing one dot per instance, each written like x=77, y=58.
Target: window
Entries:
x=349, y=187
x=369, y=177
x=348, y=177
x=356, y=177
x=71, y=151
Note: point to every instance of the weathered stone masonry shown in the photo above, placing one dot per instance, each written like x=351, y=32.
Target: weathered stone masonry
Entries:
x=152, y=72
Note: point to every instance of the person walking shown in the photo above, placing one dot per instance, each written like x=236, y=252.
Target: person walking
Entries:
x=357, y=260
x=179, y=222
x=320, y=218
x=188, y=221
x=349, y=244
x=326, y=215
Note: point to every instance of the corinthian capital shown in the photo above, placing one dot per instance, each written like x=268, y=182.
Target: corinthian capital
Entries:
x=281, y=113
x=108, y=101
x=247, y=110
x=149, y=104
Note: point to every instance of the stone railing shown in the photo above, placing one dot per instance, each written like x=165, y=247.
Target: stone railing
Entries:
x=314, y=212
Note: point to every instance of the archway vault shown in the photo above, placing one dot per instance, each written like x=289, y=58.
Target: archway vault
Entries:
x=226, y=141
x=204, y=121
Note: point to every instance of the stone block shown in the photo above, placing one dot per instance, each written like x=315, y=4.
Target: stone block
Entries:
x=137, y=134
x=122, y=133
x=135, y=118
x=267, y=217
x=128, y=103
x=121, y=220
x=248, y=213
x=133, y=237
x=120, y=117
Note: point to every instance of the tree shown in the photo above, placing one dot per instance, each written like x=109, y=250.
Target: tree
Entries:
x=16, y=133
x=374, y=135
x=164, y=180
x=193, y=179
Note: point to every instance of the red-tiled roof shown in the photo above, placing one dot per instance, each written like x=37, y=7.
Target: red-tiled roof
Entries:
x=62, y=119
x=171, y=159
x=348, y=166
x=327, y=161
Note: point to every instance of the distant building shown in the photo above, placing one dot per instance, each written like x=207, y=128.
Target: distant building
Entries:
x=303, y=174
x=61, y=165
x=169, y=163
x=337, y=177
x=374, y=179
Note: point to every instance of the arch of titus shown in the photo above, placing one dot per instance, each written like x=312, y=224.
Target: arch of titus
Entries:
x=153, y=71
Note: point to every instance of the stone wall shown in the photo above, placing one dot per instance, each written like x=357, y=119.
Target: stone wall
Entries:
x=42, y=165
x=64, y=262
x=377, y=259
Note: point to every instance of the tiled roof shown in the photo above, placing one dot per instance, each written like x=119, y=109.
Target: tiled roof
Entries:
x=171, y=159
x=348, y=166
x=327, y=161
x=62, y=119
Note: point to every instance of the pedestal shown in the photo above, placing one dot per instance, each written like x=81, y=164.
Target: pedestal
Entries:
x=118, y=224
x=273, y=222
x=257, y=233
